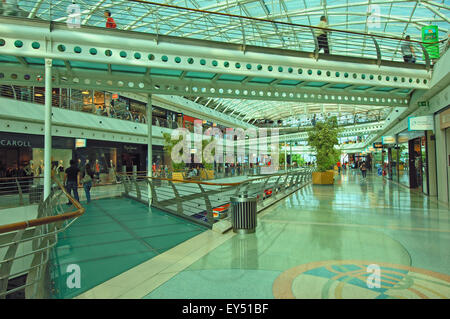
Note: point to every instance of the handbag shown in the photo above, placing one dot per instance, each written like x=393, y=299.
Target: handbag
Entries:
x=87, y=178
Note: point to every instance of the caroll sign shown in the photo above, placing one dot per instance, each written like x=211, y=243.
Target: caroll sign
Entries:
x=16, y=143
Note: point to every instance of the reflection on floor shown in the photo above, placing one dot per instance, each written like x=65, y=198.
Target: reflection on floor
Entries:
x=319, y=243
x=113, y=236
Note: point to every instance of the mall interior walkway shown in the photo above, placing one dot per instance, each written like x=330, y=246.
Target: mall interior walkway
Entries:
x=316, y=243
x=111, y=237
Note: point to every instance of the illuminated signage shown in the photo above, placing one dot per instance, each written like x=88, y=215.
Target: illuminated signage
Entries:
x=388, y=139
x=378, y=145
x=115, y=96
x=80, y=142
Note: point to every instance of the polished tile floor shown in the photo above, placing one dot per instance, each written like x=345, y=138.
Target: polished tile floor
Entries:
x=113, y=236
x=319, y=243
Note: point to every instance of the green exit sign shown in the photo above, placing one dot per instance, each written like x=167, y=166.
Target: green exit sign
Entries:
x=424, y=104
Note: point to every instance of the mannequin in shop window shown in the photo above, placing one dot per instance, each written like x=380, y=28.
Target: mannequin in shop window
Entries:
x=97, y=170
x=40, y=168
x=60, y=170
x=28, y=169
x=112, y=172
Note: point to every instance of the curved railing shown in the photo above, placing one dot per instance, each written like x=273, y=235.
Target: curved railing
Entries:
x=207, y=202
x=166, y=19
x=25, y=246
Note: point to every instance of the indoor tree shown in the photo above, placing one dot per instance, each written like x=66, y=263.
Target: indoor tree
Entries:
x=168, y=146
x=322, y=138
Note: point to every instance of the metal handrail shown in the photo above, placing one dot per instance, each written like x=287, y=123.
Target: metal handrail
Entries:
x=272, y=21
x=42, y=233
x=47, y=220
x=205, y=14
x=180, y=198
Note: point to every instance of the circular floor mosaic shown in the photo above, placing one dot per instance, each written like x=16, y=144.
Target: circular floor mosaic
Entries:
x=354, y=279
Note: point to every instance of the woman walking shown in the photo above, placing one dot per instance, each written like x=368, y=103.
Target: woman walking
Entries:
x=87, y=176
x=363, y=169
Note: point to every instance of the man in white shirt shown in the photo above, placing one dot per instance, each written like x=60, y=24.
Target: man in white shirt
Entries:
x=322, y=35
x=408, y=51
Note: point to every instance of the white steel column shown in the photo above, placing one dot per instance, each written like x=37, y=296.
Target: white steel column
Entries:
x=149, y=145
x=290, y=152
x=285, y=156
x=48, y=129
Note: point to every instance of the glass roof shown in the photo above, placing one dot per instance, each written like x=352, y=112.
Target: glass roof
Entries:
x=391, y=18
x=378, y=17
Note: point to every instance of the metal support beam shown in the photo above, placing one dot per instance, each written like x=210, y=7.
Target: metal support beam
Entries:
x=48, y=129
x=290, y=151
x=149, y=145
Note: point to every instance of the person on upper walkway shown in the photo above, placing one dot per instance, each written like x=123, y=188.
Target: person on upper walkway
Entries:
x=321, y=35
x=408, y=51
x=110, y=23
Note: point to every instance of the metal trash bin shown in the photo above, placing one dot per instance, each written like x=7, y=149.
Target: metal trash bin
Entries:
x=243, y=214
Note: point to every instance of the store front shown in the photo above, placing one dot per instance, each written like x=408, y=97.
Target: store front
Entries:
x=104, y=156
x=188, y=122
x=411, y=154
x=445, y=128
x=23, y=154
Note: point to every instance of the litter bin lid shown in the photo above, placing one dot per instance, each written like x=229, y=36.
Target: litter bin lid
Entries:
x=242, y=198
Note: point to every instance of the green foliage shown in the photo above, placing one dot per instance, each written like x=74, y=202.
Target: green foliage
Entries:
x=297, y=158
x=168, y=146
x=281, y=158
x=323, y=137
x=207, y=165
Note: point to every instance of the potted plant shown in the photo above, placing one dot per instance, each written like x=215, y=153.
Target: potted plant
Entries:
x=208, y=168
x=322, y=137
x=176, y=168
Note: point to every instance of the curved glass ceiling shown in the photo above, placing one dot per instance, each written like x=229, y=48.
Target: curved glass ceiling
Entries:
x=380, y=17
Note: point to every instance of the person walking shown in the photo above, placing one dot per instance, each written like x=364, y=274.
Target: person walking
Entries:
x=86, y=180
x=322, y=35
x=339, y=167
x=363, y=169
x=71, y=180
x=110, y=23
x=408, y=51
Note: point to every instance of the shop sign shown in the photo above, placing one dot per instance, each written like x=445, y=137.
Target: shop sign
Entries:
x=430, y=38
x=33, y=141
x=388, y=139
x=378, y=145
x=420, y=123
x=130, y=148
x=115, y=96
x=80, y=142
x=16, y=143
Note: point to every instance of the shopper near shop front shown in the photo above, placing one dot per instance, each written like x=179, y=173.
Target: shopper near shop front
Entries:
x=71, y=180
x=86, y=180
